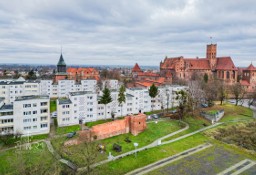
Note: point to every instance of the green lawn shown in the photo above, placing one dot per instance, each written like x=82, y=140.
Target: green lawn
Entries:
x=35, y=161
x=149, y=156
x=67, y=129
x=91, y=124
x=152, y=132
x=195, y=123
x=53, y=105
x=233, y=112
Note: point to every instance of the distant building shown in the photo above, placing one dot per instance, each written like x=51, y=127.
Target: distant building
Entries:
x=183, y=68
x=249, y=78
x=61, y=73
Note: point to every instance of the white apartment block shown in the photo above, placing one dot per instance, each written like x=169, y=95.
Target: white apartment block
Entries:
x=79, y=106
x=64, y=87
x=29, y=115
x=111, y=84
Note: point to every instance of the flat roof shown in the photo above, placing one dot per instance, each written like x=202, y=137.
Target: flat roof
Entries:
x=32, y=97
x=80, y=93
x=6, y=108
x=129, y=95
x=11, y=82
x=63, y=101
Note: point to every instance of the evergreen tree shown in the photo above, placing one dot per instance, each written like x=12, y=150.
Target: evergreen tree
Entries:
x=121, y=97
x=182, y=98
x=153, y=91
x=206, y=78
x=106, y=99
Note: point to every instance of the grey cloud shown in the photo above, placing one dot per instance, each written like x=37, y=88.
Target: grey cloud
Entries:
x=125, y=32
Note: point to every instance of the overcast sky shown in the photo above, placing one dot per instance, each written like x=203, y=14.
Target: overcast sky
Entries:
x=123, y=32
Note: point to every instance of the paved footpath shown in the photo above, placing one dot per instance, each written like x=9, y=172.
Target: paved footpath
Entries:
x=168, y=160
x=155, y=143
x=238, y=168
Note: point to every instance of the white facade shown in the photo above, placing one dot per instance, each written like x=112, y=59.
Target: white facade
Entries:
x=28, y=115
x=79, y=106
x=111, y=84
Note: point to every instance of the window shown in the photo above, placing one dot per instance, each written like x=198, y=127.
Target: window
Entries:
x=43, y=118
x=44, y=125
x=34, y=112
x=27, y=128
x=7, y=121
x=27, y=113
x=43, y=111
x=26, y=105
x=34, y=104
x=43, y=103
x=34, y=127
x=34, y=119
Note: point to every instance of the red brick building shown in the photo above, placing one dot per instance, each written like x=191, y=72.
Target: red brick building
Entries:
x=146, y=79
x=249, y=78
x=183, y=68
x=71, y=73
x=82, y=73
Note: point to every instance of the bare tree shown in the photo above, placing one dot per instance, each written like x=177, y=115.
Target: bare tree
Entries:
x=195, y=94
x=222, y=90
x=238, y=91
x=88, y=153
x=251, y=98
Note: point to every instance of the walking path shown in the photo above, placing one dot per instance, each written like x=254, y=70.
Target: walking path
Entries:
x=155, y=143
x=168, y=160
x=238, y=168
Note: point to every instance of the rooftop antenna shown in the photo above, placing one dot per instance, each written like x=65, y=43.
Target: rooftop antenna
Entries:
x=61, y=49
x=211, y=39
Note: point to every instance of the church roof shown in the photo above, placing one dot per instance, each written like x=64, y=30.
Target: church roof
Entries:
x=136, y=68
x=225, y=63
x=61, y=61
x=251, y=67
x=195, y=64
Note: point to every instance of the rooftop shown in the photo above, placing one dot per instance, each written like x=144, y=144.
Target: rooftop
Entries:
x=80, y=93
x=63, y=101
x=6, y=108
x=31, y=97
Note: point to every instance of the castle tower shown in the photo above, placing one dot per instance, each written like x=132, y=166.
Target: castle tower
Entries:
x=211, y=53
x=61, y=66
x=61, y=73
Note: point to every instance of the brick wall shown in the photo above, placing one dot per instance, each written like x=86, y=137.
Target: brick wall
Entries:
x=134, y=124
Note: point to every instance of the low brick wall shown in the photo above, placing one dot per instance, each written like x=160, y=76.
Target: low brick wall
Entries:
x=133, y=124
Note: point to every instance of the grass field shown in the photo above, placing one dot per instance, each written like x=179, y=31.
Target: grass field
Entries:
x=53, y=105
x=67, y=129
x=131, y=162
x=37, y=160
x=152, y=132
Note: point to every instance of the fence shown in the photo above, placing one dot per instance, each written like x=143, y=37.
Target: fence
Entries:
x=213, y=117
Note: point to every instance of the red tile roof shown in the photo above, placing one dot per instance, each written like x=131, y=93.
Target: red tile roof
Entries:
x=245, y=83
x=170, y=62
x=150, y=74
x=195, y=64
x=136, y=68
x=225, y=63
x=251, y=67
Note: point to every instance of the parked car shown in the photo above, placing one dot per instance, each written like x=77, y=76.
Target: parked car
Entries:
x=174, y=111
x=155, y=116
x=71, y=134
x=204, y=105
x=54, y=115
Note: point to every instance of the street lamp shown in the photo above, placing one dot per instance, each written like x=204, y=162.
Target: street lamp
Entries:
x=135, y=145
